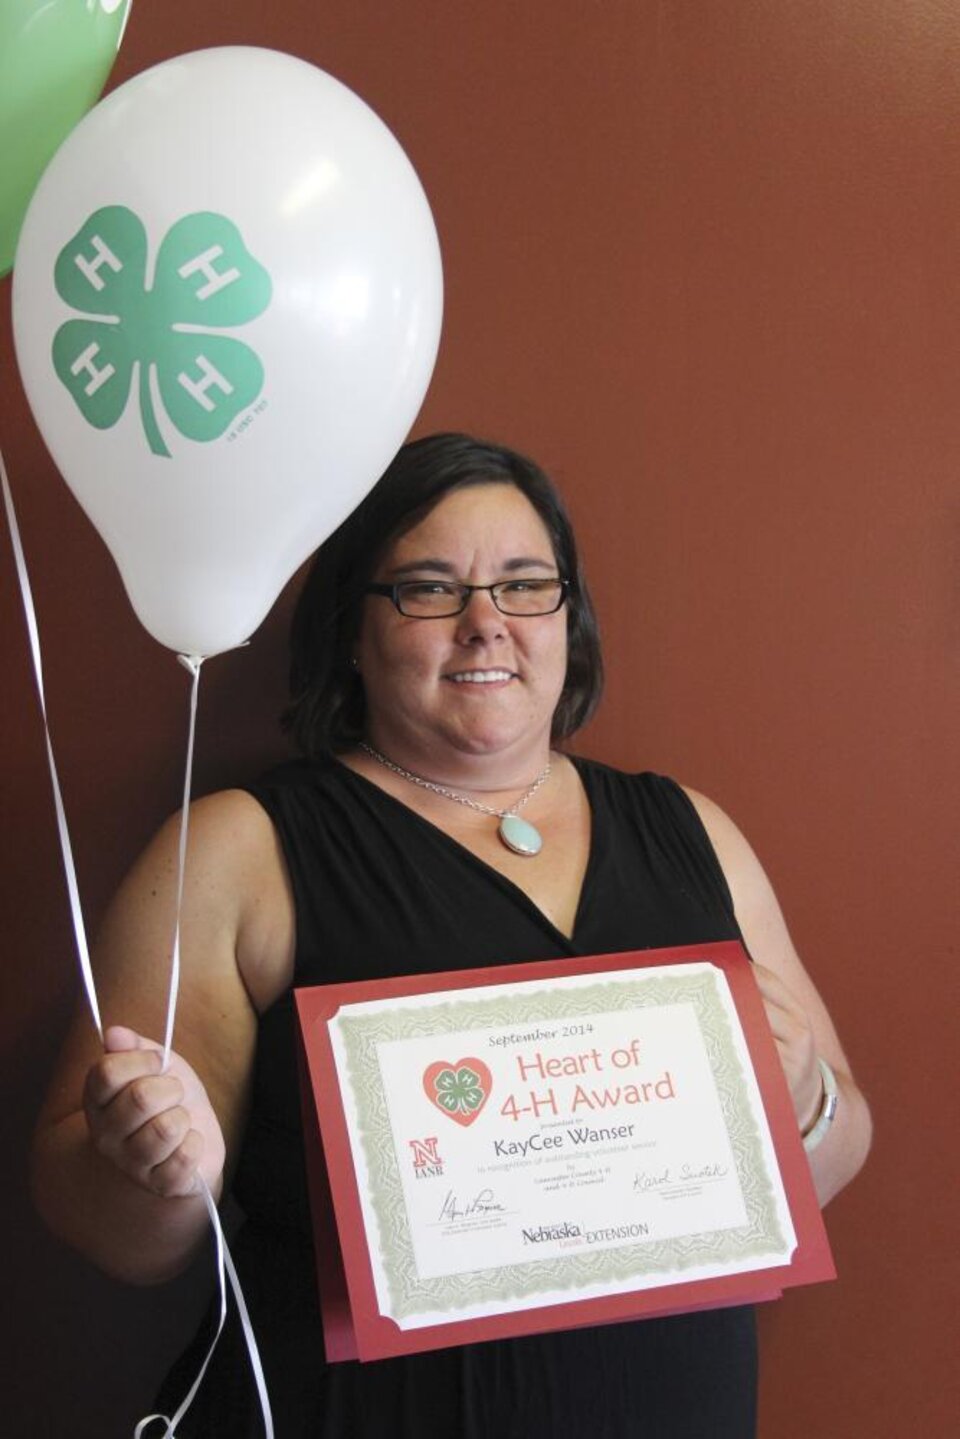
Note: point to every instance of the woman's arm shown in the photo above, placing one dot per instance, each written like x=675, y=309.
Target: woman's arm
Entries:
x=802, y=1027
x=119, y=1145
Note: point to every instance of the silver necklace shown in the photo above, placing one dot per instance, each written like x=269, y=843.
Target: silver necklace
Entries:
x=519, y=835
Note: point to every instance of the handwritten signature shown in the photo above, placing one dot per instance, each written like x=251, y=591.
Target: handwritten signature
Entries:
x=687, y=1174
x=483, y=1203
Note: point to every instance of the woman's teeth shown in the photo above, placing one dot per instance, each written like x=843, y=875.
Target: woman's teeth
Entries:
x=480, y=677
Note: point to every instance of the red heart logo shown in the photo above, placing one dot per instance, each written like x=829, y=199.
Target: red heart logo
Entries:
x=460, y=1089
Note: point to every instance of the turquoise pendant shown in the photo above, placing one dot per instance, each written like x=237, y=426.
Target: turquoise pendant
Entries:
x=520, y=836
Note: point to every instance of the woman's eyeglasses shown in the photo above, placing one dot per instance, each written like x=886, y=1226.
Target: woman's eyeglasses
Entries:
x=439, y=599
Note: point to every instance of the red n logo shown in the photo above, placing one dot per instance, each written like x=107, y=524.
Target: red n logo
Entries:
x=424, y=1152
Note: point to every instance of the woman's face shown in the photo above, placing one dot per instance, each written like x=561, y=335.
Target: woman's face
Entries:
x=479, y=683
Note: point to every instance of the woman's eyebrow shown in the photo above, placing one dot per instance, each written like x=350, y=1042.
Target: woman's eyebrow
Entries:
x=444, y=567
x=530, y=562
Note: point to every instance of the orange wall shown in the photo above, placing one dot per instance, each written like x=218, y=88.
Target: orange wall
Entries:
x=701, y=261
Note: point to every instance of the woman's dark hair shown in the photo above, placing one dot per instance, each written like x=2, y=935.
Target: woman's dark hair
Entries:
x=327, y=709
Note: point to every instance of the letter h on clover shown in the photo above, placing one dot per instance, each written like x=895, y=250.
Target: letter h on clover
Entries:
x=205, y=280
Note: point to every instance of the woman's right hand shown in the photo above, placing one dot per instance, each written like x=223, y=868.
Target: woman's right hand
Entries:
x=120, y=1148
x=158, y=1127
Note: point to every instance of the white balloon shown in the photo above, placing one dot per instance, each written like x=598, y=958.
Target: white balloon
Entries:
x=227, y=302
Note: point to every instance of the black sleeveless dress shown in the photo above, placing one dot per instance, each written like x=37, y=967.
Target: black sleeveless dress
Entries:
x=380, y=891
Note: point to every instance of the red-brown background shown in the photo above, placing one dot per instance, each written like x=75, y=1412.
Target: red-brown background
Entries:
x=701, y=261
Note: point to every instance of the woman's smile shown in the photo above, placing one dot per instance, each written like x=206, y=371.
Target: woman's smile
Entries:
x=481, y=677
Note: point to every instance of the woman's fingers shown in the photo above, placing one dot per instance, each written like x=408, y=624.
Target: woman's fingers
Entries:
x=137, y=1116
x=176, y=1176
x=150, y=1137
x=118, y=1036
x=114, y=1073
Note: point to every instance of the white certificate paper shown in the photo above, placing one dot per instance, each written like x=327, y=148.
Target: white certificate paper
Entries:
x=528, y=1144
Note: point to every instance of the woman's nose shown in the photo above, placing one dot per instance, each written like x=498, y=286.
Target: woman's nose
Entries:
x=479, y=617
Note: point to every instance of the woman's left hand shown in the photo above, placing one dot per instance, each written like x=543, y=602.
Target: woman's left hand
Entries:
x=795, y=1043
x=802, y=1027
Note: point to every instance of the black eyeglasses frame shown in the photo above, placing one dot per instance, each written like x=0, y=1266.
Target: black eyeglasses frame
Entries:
x=393, y=592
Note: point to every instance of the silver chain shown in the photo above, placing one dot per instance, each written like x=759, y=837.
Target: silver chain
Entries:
x=452, y=794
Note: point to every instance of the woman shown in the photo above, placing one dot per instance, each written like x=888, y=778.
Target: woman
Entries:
x=443, y=645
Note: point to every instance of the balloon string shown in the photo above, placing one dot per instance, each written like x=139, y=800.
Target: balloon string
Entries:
x=192, y=663
x=73, y=891
x=225, y=1267
x=171, y=1424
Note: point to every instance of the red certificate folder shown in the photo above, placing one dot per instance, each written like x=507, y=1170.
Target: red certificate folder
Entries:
x=354, y=1326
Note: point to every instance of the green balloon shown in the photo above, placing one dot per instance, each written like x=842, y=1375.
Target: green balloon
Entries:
x=55, y=56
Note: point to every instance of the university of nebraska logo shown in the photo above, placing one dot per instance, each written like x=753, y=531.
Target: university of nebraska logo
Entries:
x=426, y=1158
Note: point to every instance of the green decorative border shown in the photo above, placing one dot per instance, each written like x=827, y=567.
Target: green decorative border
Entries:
x=409, y=1294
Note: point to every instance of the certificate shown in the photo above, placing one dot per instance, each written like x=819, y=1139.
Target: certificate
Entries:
x=547, y=1145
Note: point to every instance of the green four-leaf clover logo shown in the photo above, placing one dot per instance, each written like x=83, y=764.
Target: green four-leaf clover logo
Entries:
x=459, y=1091
x=205, y=280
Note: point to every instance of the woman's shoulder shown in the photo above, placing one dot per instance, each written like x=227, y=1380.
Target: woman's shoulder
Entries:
x=675, y=822
x=631, y=785
x=232, y=850
x=295, y=774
